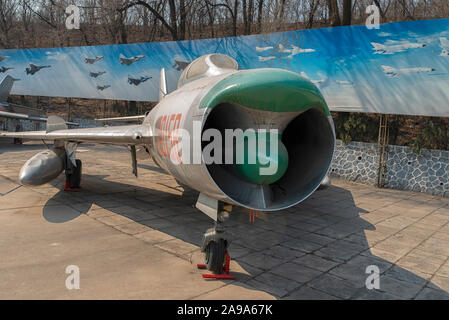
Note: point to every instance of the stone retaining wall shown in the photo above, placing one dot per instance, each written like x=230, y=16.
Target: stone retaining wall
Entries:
x=427, y=172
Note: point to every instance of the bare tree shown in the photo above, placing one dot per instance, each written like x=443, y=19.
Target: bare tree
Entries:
x=334, y=13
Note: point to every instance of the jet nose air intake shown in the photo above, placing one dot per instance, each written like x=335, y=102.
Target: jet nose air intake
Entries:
x=265, y=158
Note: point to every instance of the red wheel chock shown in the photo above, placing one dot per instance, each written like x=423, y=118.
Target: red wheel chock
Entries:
x=225, y=272
x=67, y=187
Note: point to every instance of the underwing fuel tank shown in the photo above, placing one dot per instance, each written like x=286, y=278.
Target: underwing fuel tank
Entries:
x=42, y=168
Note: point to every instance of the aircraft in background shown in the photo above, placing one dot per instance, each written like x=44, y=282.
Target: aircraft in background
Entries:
x=3, y=58
x=294, y=50
x=101, y=88
x=4, y=69
x=137, y=81
x=180, y=65
x=96, y=74
x=34, y=68
x=393, y=72
x=214, y=94
x=7, y=109
x=92, y=60
x=444, y=43
x=129, y=61
x=395, y=48
x=324, y=79
x=262, y=49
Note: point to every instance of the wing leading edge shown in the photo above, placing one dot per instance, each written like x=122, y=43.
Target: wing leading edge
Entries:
x=131, y=135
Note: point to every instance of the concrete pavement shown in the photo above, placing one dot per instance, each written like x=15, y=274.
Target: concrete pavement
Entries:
x=139, y=239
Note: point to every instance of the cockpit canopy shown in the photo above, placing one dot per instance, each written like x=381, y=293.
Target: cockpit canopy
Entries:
x=207, y=66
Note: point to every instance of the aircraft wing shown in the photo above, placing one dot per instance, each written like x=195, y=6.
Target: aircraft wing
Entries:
x=12, y=115
x=130, y=135
x=122, y=119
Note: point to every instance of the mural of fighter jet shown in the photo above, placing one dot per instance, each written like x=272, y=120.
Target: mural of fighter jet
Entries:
x=129, y=61
x=32, y=69
x=393, y=72
x=4, y=69
x=96, y=74
x=324, y=79
x=395, y=48
x=293, y=50
x=92, y=60
x=101, y=88
x=262, y=49
x=180, y=65
x=137, y=81
x=444, y=43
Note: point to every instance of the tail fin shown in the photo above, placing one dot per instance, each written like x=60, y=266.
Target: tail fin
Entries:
x=162, y=85
x=5, y=88
x=55, y=123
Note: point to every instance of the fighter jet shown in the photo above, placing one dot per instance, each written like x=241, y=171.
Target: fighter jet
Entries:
x=395, y=48
x=96, y=74
x=215, y=99
x=3, y=58
x=266, y=58
x=137, y=81
x=7, y=109
x=101, y=88
x=92, y=60
x=180, y=65
x=4, y=69
x=34, y=68
x=444, y=47
x=262, y=49
x=129, y=61
x=393, y=72
x=294, y=50
x=318, y=81
x=344, y=82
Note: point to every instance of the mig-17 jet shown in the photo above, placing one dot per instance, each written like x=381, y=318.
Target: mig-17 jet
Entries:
x=214, y=99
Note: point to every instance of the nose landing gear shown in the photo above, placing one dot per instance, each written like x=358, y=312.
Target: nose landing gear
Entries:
x=215, y=248
x=215, y=244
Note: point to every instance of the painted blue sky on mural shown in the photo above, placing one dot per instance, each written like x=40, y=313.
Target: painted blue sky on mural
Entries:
x=402, y=68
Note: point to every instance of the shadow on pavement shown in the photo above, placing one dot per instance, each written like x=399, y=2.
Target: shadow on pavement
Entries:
x=315, y=250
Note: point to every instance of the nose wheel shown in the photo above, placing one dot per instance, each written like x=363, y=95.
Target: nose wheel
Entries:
x=215, y=255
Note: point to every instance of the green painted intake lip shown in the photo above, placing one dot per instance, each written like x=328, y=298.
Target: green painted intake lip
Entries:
x=275, y=90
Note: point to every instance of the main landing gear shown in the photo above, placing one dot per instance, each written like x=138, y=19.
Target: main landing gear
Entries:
x=73, y=176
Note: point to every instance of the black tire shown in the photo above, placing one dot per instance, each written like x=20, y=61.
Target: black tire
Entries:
x=215, y=255
x=75, y=178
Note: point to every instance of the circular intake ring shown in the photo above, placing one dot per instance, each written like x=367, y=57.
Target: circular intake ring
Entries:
x=308, y=138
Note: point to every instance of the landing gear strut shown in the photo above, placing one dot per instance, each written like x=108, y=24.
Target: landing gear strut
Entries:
x=215, y=244
x=73, y=176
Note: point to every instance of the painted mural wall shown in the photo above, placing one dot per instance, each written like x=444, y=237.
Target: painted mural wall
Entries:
x=402, y=68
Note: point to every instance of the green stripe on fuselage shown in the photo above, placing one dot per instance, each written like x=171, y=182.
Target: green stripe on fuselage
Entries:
x=275, y=90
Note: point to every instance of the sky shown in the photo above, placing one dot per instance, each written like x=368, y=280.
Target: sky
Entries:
x=342, y=61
